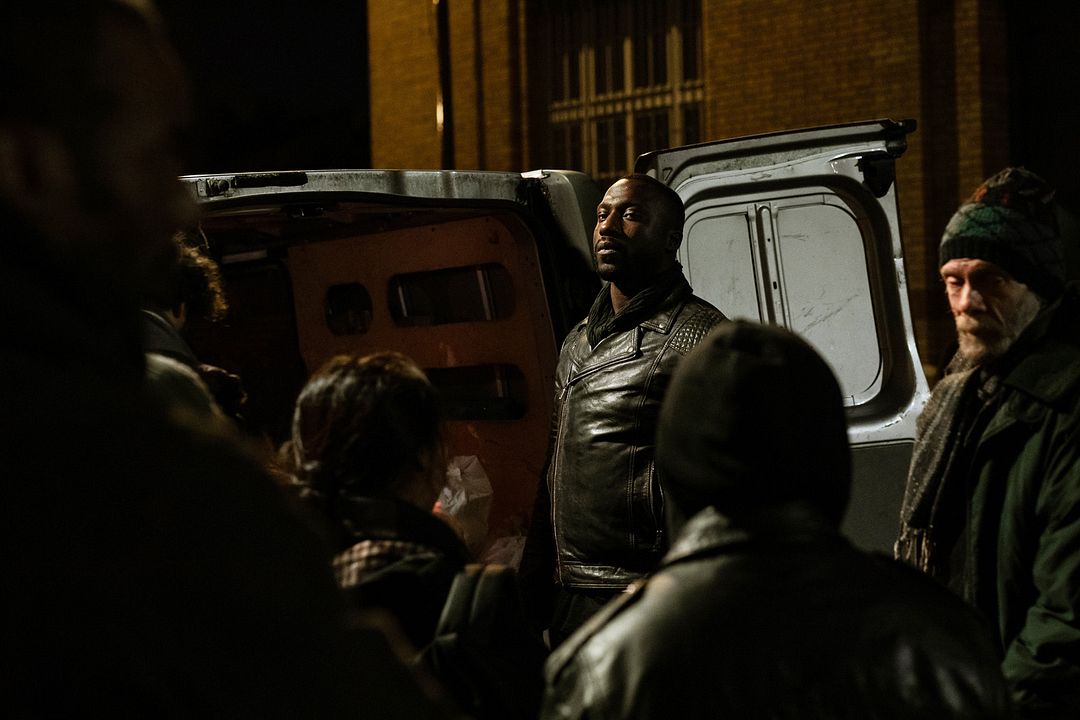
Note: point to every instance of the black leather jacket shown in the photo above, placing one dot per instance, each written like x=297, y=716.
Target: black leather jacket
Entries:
x=780, y=618
x=606, y=506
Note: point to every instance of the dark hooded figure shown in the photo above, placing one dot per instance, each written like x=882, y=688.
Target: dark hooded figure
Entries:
x=151, y=567
x=761, y=608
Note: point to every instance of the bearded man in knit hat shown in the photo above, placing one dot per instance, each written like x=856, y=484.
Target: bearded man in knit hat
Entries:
x=992, y=506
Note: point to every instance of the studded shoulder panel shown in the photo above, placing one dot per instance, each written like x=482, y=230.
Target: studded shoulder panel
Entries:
x=690, y=332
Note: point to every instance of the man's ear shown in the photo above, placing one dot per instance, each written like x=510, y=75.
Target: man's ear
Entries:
x=674, y=240
x=37, y=176
x=178, y=315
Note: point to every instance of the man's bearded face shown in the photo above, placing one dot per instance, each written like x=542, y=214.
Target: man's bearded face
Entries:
x=990, y=308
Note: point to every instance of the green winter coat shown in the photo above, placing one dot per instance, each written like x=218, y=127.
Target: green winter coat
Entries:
x=1023, y=517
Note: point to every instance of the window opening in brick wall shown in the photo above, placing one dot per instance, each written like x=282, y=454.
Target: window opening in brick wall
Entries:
x=610, y=144
x=567, y=39
x=651, y=129
x=690, y=35
x=628, y=79
x=566, y=145
x=692, y=124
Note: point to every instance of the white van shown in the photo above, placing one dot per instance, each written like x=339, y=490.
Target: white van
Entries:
x=479, y=275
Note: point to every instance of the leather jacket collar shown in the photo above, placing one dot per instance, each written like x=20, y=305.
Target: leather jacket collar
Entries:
x=654, y=308
x=710, y=532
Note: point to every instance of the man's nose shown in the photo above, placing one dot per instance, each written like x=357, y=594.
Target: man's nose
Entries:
x=970, y=298
x=606, y=224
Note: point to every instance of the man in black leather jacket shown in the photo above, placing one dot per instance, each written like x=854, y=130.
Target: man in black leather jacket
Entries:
x=598, y=522
x=761, y=608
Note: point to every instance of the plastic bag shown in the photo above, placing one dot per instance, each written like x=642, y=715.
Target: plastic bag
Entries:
x=505, y=550
x=467, y=499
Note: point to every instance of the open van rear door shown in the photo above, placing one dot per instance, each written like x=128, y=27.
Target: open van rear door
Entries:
x=475, y=275
x=801, y=229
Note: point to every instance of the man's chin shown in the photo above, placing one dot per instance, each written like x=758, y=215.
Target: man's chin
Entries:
x=610, y=273
x=978, y=349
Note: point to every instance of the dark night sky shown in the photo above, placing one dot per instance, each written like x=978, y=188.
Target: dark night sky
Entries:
x=276, y=85
x=1044, y=56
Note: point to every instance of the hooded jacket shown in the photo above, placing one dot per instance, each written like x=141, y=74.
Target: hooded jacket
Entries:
x=398, y=558
x=761, y=609
x=777, y=617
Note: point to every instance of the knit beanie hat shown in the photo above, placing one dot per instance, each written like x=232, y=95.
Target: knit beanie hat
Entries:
x=754, y=418
x=1009, y=221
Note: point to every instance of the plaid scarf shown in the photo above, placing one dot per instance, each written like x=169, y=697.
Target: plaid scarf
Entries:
x=367, y=556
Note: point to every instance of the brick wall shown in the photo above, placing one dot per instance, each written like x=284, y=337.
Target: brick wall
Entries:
x=487, y=84
x=780, y=64
x=485, y=80
x=404, y=84
x=769, y=65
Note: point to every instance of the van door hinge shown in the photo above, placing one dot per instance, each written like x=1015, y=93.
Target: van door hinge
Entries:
x=879, y=172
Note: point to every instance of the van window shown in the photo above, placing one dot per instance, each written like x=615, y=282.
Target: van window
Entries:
x=799, y=262
x=475, y=293
x=348, y=309
x=480, y=392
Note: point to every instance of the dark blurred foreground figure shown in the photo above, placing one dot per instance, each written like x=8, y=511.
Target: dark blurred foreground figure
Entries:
x=368, y=452
x=151, y=568
x=992, y=507
x=761, y=608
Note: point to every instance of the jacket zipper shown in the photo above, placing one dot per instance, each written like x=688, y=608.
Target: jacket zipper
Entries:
x=555, y=473
x=617, y=359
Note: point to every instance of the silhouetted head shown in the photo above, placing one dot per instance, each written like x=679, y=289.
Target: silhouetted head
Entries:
x=195, y=287
x=92, y=106
x=754, y=418
x=370, y=427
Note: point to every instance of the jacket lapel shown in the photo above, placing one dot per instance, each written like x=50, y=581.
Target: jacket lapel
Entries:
x=613, y=350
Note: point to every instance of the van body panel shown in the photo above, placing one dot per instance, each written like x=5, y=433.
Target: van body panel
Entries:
x=479, y=275
x=801, y=229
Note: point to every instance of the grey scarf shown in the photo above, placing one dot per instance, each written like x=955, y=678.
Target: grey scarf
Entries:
x=932, y=514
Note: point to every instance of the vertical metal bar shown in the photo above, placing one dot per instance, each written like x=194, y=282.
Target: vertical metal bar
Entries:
x=485, y=293
x=478, y=79
x=444, y=100
x=401, y=299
